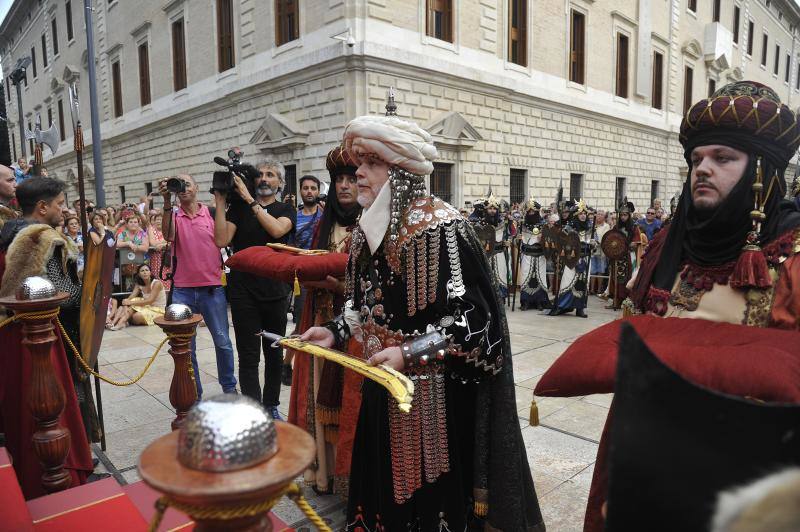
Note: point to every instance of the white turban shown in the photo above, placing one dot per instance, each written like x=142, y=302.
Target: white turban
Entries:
x=393, y=140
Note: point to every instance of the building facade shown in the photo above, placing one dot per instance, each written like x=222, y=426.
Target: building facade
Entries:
x=519, y=95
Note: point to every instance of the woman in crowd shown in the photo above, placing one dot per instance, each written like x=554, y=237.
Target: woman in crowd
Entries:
x=158, y=246
x=98, y=231
x=73, y=232
x=133, y=236
x=147, y=300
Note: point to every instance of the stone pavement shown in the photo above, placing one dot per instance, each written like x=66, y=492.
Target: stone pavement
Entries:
x=561, y=450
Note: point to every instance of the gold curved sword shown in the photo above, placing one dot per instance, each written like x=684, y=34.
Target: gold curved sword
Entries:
x=398, y=385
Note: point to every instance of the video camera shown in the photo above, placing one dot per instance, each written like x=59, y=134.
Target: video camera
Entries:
x=222, y=181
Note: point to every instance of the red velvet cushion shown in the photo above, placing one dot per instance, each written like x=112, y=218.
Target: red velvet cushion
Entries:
x=282, y=265
x=751, y=362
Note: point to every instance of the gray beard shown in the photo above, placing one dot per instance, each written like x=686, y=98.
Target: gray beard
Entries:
x=265, y=191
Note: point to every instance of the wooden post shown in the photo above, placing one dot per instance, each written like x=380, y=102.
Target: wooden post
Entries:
x=46, y=396
x=183, y=390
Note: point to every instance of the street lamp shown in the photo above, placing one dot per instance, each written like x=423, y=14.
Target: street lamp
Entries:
x=17, y=77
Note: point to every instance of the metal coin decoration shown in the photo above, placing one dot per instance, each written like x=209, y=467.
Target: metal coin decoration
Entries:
x=35, y=288
x=177, y=312
x=226, y=432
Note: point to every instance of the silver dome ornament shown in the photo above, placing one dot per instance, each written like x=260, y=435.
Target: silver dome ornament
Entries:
x=226, y=432
x=177, y=312
x=35, y=288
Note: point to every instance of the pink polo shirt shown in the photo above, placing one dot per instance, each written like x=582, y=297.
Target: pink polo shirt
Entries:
x=199, y=262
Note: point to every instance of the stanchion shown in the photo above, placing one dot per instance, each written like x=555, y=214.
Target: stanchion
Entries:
x=183, y=389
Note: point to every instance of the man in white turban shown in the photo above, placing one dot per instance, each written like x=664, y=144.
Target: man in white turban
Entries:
x=420, y=297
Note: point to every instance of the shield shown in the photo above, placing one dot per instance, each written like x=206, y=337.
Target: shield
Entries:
x=614, y=244
x=569, y=244
x=485, y=235
x=549, y=240
x=97, y=274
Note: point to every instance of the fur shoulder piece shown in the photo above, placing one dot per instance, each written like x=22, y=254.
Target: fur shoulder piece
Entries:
x=28, y=255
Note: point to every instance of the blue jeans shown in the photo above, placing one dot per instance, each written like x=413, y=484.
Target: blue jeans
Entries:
x=210, y=302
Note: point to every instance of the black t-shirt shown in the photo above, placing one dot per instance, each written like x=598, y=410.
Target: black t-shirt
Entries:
x=249, y=233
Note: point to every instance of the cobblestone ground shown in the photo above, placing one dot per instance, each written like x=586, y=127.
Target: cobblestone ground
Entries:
x=561, y=450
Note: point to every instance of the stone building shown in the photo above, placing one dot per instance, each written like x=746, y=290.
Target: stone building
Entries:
x=519, y=95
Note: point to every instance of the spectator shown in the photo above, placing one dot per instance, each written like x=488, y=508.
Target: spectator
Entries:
x=8, y=186
x=158, y=245
x=144, y=205
x=73, y=232
x=146, y=302
x=309, y=213
x=649, y=224
x=257, y=303
x=197, y=274
x=599, y=262
x=97, y=230
x=22, y=172
x=132, y=236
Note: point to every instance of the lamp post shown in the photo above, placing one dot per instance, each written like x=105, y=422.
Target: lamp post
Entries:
x=17, y=77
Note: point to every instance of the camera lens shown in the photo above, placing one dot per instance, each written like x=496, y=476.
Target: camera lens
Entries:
x=176, y=185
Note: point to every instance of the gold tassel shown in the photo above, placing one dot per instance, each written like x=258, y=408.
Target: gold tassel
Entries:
x=296, y=285
x=533, y=418
x=481, y=509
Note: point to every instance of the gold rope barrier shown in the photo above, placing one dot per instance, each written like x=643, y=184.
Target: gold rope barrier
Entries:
x=22, y=316
x=223, y=513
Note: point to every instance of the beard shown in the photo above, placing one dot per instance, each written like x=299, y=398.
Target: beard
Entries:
x=263, y=190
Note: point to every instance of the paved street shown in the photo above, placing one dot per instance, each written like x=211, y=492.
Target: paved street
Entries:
x=561, y=451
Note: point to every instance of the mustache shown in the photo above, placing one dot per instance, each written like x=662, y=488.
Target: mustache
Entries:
x=703, y=181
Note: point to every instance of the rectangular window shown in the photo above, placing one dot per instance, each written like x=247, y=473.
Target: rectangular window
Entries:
x=518, y=32
x=442, y=181
x=14, y=145
x=764, y=43
x=148, y=189
x=787, y=72
x=575, y=186
x=49, y=117
x=33, y=64
x=517, y=185
x=439, y=22
x=712, y=87
x=654, y=186
x=122, y=193
x=291, y=180
x=692, y=5
x=44, y=50
x=658, y=81
x=225, y=35
x=144, y=75
x=619, y=191
x=8, y=88
x=577, y=42
x=750, y=36
x=30, y=141
x=116, y=80
x=70, y=34
x=287, y=21
x=54, y=26
x=777, y=62
x=736, y=15
x=622, y=65
x=61, y=129
x=688, y=74
x=178, y=56
x=715, y=11
x=797, y=79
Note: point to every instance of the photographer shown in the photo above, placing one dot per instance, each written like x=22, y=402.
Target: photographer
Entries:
x=197, y=272
x=256, y=303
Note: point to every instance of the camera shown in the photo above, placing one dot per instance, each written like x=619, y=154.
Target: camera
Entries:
x=176, y=185
x=222, y=181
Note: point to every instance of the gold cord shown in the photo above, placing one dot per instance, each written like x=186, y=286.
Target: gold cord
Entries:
x=224, y=513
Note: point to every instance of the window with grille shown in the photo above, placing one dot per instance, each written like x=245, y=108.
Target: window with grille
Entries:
x=787, y=72
x=287, y=23
x=144, y=75
x=441, y=181
x=688, y=75
x=517, y=184
x=736, y=15
x=8, y=88
x=148, y=189
x=577, y=43
x=70, y=33
x=439, y=21
x=122, y=193
x=290, y=177
x=619, y=191
x=658, y=80
x=654, y=191
x=777, y=62
x=622, y=65
x=54, y=27
x=178, y=56
x=518, y=31
x=797, y=79
x=764, y=43
x=226, y=59
x=30, y=141
x=715, y=9
x=750, y=36
x=49, y=117
x=692, y=5
x=33, y=64
x=14, y=144
x=575, y=186
x=116, y=83
x=712, y=87
x=61, y=130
